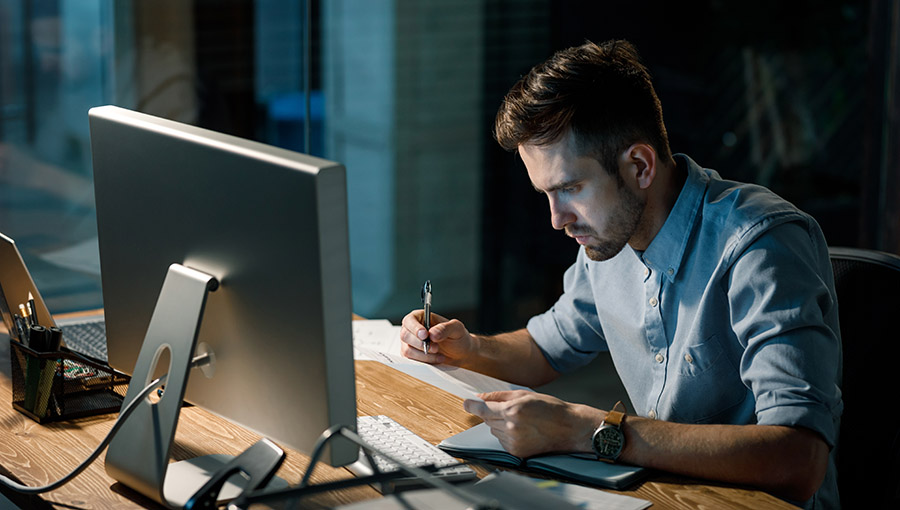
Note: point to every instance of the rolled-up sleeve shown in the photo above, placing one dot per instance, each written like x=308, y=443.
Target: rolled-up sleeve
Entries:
x=785, y=316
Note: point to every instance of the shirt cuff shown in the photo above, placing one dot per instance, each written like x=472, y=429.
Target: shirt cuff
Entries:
x=815, y=417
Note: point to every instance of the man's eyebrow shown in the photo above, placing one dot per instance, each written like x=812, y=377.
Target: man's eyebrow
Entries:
x=565, y=184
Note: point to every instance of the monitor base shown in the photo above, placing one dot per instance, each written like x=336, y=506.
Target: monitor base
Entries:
x=186, y=478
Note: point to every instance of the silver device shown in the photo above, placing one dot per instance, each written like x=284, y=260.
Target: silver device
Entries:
x=16, y=285
x=270, y=226
x=84, y=334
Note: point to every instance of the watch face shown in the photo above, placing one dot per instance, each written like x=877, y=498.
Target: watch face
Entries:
x=608, y=441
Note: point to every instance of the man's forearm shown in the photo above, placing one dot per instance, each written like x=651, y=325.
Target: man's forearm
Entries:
x=513, y=357
x=788, y=462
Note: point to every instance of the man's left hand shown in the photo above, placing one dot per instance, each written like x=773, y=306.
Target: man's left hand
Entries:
x=529, y=423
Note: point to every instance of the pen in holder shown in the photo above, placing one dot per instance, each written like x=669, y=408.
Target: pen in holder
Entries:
x=52, y=383
x=38, y=372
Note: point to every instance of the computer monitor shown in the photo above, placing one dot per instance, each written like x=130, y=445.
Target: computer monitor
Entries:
x=271, y=226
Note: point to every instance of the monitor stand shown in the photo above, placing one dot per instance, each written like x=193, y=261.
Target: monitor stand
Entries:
x=138, y=455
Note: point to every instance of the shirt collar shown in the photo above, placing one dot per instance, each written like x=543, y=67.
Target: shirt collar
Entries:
x=666, y=252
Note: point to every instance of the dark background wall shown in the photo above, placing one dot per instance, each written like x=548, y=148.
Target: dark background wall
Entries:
x=782, y=94
x=798, y=96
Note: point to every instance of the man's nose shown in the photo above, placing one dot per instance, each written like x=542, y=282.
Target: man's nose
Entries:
x=560, y=214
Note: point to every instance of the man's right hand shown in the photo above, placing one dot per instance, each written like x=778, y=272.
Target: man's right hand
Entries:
x=449, y=340
x=512, y=356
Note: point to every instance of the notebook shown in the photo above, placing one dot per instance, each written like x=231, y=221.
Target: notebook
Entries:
x=85, y=335
x=477, y=443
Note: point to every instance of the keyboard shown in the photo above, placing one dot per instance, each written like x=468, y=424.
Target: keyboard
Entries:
x=388, y=436
x=86, y=336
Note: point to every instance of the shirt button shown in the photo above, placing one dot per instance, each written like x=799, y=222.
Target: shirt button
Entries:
x=660, y=358
x=688, y=358
x=652, y=415
x=670, y=272
x=654, y=302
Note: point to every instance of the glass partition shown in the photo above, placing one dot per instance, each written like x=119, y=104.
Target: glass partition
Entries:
x=404, y=93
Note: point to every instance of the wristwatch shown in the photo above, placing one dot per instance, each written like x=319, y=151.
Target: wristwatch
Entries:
x=608, y=440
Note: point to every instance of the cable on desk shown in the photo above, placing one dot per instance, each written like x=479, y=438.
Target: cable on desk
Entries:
x=123, y=415
x=304, y=488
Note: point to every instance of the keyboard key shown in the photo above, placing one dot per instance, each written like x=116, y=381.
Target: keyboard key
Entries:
x=388, y=436
x=88, y=338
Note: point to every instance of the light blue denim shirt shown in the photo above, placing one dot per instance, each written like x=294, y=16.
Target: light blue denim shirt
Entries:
x=729, y=316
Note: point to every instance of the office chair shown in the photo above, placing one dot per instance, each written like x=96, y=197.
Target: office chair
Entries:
x=868, y=452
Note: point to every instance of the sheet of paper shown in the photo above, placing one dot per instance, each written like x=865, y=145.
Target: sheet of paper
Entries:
x=421, y=371
x=380, y=341
x=586, y=497
x=473, y=382
x=513, y=490
x=375, y=335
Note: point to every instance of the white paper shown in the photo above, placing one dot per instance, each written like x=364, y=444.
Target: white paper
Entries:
x=380, y=341
x=474, y=382
x=586, y=497
x=375, y=335
x=433, y=499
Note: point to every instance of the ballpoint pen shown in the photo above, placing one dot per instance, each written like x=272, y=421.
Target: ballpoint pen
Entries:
x=426, y=299
x=21, y=328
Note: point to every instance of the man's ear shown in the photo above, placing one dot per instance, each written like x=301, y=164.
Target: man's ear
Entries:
x=639, y=161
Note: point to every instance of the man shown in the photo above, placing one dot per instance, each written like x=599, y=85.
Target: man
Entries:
x=715, y=299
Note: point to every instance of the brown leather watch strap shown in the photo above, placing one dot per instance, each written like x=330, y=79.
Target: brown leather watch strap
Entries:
x=615, y=416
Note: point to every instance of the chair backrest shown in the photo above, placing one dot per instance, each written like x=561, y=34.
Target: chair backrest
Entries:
x=868, y=456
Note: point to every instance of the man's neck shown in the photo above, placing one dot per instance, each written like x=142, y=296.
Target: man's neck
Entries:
x=660, y=201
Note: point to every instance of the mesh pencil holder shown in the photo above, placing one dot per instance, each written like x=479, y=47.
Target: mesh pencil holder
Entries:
x=60, y=385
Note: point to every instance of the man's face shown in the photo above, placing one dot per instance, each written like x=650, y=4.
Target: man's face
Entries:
x=595, y=208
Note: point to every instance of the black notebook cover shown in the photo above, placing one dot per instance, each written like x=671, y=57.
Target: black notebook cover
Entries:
x=478, y=443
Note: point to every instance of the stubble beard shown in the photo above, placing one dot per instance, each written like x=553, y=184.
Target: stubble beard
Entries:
x=623, y=225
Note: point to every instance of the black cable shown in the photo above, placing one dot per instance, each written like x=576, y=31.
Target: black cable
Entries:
x=304, y=489
x=123, y=415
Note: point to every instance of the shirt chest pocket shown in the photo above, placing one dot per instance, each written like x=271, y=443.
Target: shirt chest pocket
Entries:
x=700, y=358
x=707, y=385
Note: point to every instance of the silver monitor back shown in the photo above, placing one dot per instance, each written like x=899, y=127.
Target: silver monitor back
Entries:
x=271, y=226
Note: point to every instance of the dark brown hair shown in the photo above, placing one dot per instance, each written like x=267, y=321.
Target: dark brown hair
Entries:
x=600, y=92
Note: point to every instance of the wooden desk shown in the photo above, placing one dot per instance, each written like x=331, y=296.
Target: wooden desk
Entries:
x=38, y=454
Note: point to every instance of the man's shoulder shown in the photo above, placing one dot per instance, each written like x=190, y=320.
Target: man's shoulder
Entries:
x=737, y=208
x=732, y=215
